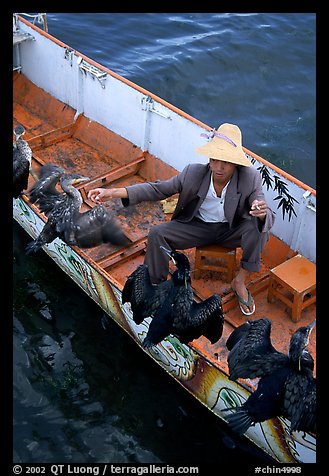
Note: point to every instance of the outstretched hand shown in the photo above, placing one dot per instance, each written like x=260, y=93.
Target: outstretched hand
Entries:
x=258, y=209
x=99, y=195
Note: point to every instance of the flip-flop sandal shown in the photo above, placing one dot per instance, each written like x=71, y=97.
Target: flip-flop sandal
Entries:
x=245, y=303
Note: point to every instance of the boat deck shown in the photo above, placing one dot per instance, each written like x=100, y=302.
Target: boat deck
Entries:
x=109, y=160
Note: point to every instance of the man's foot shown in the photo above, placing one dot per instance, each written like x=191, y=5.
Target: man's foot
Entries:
x=244, y=297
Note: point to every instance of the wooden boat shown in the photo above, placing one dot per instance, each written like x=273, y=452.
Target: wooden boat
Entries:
x=84, y=117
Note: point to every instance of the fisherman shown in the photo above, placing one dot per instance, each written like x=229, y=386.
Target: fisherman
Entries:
x=220, y=202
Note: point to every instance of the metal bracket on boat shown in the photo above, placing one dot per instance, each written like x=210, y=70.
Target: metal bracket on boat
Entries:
x=19, y=37
x=68, y=55
x=148, y=105
x=310, y=204
x=95, y=72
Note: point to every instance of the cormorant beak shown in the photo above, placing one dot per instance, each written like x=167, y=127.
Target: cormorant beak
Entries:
x=168, y=252
x=310, y=326
x=80, y=179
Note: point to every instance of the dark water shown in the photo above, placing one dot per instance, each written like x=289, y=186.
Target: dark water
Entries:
x=83, y=391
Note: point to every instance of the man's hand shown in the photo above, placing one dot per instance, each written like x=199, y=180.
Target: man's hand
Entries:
x=99, y=195
x=258, y=209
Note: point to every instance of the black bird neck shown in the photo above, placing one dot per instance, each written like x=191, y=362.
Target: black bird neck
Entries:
x=21, y=143
x=303, y=362
x=182, y=276
x=72, y=192
x=23, y=148
x=299, y=356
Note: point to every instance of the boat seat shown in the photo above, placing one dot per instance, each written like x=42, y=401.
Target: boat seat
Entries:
x=294, y=283
x=225, y=260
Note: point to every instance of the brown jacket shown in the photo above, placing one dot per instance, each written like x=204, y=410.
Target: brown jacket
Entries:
x=192, y=184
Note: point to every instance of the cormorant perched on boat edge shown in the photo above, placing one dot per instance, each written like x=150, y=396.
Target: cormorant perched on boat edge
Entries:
x=180, y=315
x=286, y=387
x=22, y=158
x=65, y=221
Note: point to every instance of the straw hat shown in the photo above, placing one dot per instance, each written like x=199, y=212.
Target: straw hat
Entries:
x=226, y=145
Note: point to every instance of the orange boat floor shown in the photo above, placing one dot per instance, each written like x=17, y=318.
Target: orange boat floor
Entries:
x=110, y=160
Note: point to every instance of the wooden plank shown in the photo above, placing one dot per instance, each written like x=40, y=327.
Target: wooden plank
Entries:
x=101, y=180
x=38, y=159
x=123, y=255
x=55, y=135
x=108, y=177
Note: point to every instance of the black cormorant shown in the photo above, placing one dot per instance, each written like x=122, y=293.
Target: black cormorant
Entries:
x=286, y=387
x=22, y=158
x=180, y=315
x=65, y=221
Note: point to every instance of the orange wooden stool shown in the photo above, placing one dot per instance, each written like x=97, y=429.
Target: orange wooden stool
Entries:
x=298, y=276
x=219, y=253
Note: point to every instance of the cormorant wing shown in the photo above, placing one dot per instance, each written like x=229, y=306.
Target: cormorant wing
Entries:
x=21, y=169
x=60, y=222
x=48, y=203
x=204, y=318
x=50, y=170
x=61, y=216
x=264, y=403
x=97, y=226
x=144, y=298
x=251, y=351
x=47, y=235
x=161, y=325
x=300, y=401
x=138, y=290
x=44, y=190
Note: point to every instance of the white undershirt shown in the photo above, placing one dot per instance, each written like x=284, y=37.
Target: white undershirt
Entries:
x=212, y=208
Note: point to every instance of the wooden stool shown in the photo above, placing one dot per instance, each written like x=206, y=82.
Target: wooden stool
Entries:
x=298, y=276
x=218, y=252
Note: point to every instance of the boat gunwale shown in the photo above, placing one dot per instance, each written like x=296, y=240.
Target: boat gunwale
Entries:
x=165, y=103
